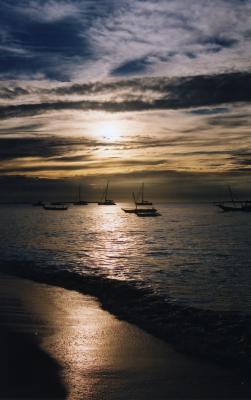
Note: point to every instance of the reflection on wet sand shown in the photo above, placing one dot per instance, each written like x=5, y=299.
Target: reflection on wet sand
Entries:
x=103, y=358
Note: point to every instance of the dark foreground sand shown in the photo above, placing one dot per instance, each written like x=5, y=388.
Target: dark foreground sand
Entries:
x=56, y=343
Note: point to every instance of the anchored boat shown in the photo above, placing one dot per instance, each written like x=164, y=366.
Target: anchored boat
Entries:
x=56, y=207
x=234, y=205
x=80, y=202
x=141, y=211
x=104, y=201
x=142, y=201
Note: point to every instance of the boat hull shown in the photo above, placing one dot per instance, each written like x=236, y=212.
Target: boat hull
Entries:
x=148, y=214
x=55, y=208
x=143, y=203
x=106, y=203
x=80, y=203
x=138, y=210
x=242, y=208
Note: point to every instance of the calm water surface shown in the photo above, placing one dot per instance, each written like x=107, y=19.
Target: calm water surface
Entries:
x=193, y=254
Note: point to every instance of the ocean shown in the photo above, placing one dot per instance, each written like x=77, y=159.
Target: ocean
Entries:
x=192, y=255
x=183, y=276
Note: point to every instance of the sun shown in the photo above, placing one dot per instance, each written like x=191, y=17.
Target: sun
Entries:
x=109, y=130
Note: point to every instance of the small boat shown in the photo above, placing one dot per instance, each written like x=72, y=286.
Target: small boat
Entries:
x=80, y=202
x=152, y=213
x=142, y=201
x=142, y=212
x=129, y=210
x=224, y=207
x=104, y=200
x=56, y=207
x=138, y=210
x=238, y=206
x=234, y=205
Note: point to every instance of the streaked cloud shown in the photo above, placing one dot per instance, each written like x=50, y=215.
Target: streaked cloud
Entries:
x=159, y=90
x=93, y=39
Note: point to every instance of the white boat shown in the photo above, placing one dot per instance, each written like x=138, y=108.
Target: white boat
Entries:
x=104, y=201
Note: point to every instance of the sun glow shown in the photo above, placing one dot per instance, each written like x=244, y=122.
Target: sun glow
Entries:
x=109, y=130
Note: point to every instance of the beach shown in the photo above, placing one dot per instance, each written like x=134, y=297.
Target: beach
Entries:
x=60, y=344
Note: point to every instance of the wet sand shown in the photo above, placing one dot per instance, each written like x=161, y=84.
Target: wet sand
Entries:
x=51, y=336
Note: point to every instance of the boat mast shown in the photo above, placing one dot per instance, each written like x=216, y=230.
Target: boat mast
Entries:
x=106, y=191
x=231, y=194
x=135, y=202
x=79, y=193
x=142, y=194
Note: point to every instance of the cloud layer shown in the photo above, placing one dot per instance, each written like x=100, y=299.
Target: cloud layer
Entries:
x=140, y=89
x=123, y=38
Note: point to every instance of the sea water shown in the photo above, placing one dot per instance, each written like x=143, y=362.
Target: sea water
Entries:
x=193, y=254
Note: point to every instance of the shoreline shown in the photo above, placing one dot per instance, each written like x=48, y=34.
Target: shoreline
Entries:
x=220, y=337
x=98, y=356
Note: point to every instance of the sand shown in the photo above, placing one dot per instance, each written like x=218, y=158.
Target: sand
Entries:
x=57, y=343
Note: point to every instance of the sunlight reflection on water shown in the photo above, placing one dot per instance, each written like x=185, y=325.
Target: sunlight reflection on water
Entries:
x=194, y=254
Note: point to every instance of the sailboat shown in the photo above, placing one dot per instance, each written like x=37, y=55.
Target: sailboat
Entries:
x=104, y=200
x=55, y=207
x=142, y=201
x=142, y=211
x=234, y=205
x=80, y=202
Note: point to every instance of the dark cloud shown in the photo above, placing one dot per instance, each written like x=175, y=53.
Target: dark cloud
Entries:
x=11, y=148
x=162, y=185
x=219, y=42
x=23, y=128
x=231, y=121
x=28, y=189
x=241, y=158
x=45, y=147
x=210, y=111
x=198, y=91
x=38, y=41
x=132, y=67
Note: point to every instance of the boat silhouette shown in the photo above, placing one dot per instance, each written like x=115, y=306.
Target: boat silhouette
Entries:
x=80, y=202
x=141, y=211
x=55, y=207
x=142, y=201
x=234, y=205
x=104, y=201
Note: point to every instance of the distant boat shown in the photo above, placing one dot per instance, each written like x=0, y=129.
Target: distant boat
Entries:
x=56, y=207
x=80, y=202
x=142, y=201
x=234, y=205
x=143, y=211
x=38, y=204
x=238, y=206
x=148, y=213
x=104, y=200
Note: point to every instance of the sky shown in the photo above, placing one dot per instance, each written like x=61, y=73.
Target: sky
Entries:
x=130, y=91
